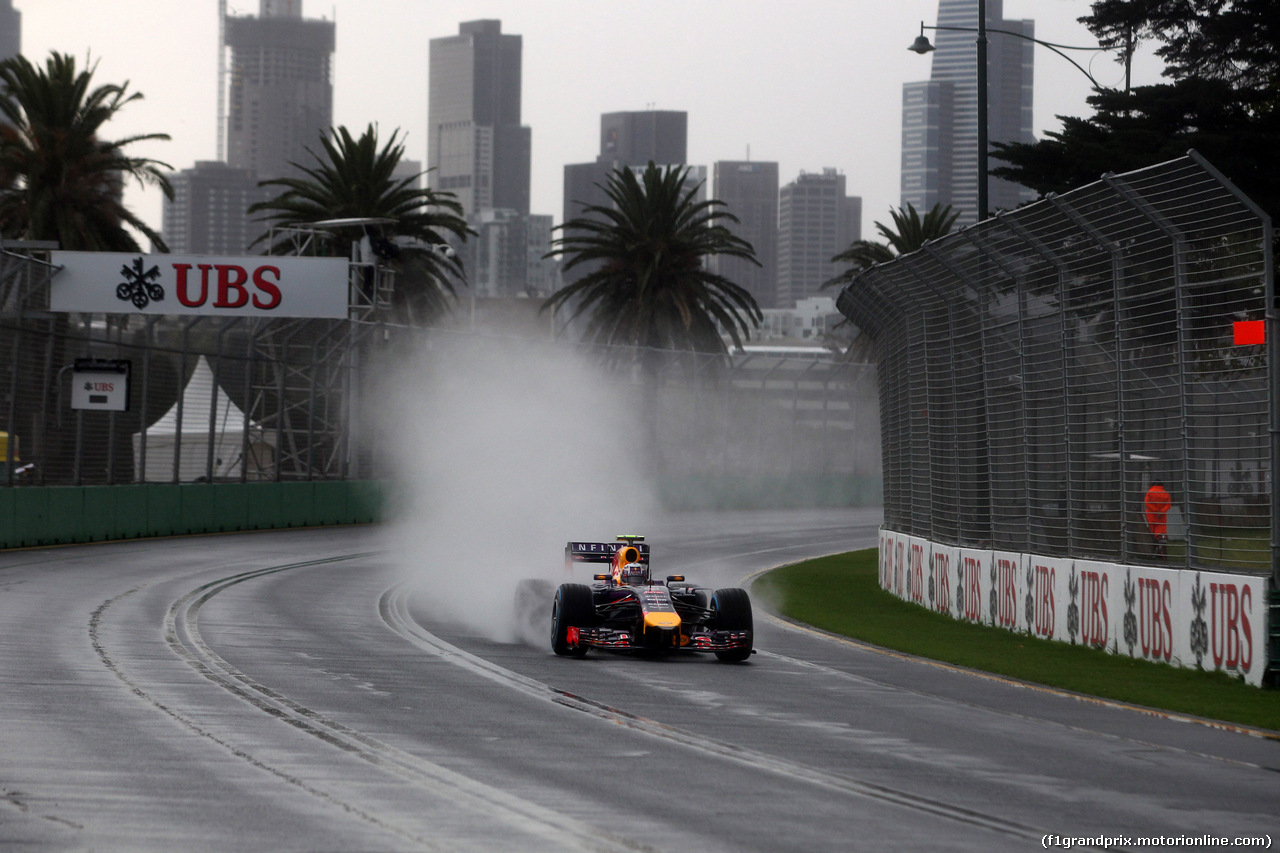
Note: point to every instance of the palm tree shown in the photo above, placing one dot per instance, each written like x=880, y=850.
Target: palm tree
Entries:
x=648, y=285
x=909, y=232
x=59, y=180
x=355, y=179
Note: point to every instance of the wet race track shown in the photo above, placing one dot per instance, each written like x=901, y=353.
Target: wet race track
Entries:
x=295, y=691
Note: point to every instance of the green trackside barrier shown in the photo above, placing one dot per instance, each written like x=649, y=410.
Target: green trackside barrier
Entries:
x=365, y=501
x=264, y=507
x=31, y=518
x=132, y=511
x=296, y=504
x=230, y=507
x=65, y=512
x=163, y=508
x=102, y=521
x=59, y=515
x=7, y=526
x=196, y=501
x=329, y=504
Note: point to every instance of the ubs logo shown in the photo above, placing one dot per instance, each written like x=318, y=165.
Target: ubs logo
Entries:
x=139, y=286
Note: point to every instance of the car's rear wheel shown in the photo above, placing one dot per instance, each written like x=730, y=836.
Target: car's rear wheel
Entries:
x=731, y=611
x=571, y=609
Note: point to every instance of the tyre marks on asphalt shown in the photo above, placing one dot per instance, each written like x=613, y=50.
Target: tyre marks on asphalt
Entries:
x=394, y=607
x=181, y=631
x=95, y=626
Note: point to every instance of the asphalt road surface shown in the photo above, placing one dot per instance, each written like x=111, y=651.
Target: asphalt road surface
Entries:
x=295, y=691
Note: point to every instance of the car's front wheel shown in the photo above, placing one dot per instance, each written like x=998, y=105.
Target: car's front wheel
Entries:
x=731, y=611
x=572, y=608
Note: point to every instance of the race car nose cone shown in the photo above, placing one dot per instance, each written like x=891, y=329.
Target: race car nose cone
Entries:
x=661, y=620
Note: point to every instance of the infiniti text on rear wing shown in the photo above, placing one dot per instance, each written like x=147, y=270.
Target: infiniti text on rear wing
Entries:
x=600, y=552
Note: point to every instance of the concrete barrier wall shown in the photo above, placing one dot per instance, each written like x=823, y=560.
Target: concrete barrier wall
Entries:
x=56, y=515
x=1201, y=620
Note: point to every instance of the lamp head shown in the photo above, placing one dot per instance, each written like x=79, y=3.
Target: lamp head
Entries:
x=921, y=45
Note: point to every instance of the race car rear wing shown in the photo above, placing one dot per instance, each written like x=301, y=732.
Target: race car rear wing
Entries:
x=602, y=552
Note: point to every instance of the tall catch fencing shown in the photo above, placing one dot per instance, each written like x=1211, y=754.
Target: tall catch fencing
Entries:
x=232, y=400
x=1041, y=370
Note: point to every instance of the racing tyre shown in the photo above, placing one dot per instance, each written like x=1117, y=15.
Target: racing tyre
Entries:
x=572, y=608
x=731, y=611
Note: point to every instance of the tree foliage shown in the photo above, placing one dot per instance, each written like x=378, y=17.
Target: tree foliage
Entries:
x=59, y=178
x=648, y=284
x=354, y=178
x=1222, y=98
x=909, y=232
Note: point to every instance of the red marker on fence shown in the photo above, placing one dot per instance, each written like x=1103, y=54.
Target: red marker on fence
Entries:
x=1249, y=332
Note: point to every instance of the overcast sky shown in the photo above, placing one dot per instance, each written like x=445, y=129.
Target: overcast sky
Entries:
x=808, y=84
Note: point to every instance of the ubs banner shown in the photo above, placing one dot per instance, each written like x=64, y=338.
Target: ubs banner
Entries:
x=126, y=283
x=1205, y=620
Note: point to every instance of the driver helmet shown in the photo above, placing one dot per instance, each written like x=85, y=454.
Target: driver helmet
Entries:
x=634, y=573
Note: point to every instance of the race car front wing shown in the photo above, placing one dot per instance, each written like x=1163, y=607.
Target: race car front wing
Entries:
x=612, y=638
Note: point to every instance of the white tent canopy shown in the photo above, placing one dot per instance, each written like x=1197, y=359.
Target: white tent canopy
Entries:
x=189, y=445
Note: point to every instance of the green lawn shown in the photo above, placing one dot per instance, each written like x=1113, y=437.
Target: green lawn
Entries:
x=841, y=594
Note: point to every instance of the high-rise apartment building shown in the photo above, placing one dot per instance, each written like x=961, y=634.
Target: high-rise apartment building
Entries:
x=477, y=148
x=816, y=221
x=750, y=192
x=207, y=215
x=544, y=272
x=940, y=115
x=281, y=92
x=626, y=139
x=10, y=30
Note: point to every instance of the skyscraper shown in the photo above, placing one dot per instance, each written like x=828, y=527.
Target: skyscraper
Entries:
x=816, y=221
x=10, y=30
x=750, y=192
x=940, y=115
x=207, y=213
x=626, y=139
x=477, y=148
x=281, y=92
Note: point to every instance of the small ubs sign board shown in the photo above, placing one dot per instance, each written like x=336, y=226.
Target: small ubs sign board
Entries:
x=100, y=384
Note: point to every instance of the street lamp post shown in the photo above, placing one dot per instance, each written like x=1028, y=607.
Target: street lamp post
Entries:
x=922, y=46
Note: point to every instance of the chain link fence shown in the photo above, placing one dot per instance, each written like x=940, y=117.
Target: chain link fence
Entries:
x=242, y=400
x=1040, y=371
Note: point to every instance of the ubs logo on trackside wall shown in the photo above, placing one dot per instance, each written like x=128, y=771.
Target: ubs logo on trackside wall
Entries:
x=1230, y=633
x=106, y=282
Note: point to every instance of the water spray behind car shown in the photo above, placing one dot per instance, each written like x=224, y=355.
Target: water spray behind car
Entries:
x=505, y=450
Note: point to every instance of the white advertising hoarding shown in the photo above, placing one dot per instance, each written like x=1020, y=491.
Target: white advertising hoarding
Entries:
x=129, y=283
x=919, y=569
x=1009, y=571
x=974, y=584
x=1188, y=618
x=1225, y=619
x=1095, y=614
x=942, y=579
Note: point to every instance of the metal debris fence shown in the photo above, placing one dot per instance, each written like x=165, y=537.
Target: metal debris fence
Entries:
x=244, y=400
x=1039, y=371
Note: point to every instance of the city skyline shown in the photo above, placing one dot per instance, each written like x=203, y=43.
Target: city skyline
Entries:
x=751, y=76
x=940, y=115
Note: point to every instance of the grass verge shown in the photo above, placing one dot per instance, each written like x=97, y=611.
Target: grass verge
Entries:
x=841, y=594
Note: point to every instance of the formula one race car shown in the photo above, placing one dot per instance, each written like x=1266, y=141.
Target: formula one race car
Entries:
x=627, y=609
